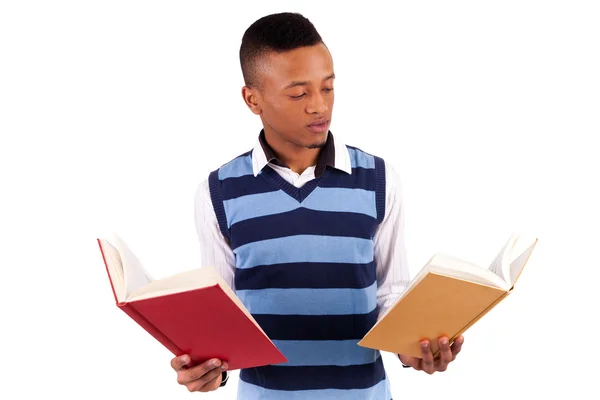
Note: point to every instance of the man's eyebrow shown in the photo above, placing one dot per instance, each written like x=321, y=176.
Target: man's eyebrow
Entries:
x=303, y=83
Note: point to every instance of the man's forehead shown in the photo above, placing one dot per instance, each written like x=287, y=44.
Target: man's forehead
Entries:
x=305, y=64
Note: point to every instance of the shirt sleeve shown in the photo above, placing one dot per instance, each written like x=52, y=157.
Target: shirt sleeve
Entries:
x=215, y=250
x=390, y=247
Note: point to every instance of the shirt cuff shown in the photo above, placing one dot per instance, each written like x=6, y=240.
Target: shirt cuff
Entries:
x=224, y=377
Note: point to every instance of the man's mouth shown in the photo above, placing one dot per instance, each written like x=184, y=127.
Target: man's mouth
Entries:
x=319, y=126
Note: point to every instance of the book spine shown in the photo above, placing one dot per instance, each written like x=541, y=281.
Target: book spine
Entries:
x=112, y=286
x=130, y=310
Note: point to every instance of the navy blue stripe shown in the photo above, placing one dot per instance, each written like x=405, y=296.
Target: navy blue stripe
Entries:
x=381, y=391
x=297, y=193
x=214, y=185
x=361, y=178
x=306, y=275
x=245, y=185
x=380, y=183
x=301, y=221
x=316, y=327
x=316, y=377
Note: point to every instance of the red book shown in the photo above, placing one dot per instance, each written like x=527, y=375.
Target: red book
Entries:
x=194, y=312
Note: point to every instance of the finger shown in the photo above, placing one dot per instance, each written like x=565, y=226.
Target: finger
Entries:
x=203, y=384
x=212, y=385
x=178, y=363
x=445, y=354
x=427, y=359
x=457, y=346
x=185, y=376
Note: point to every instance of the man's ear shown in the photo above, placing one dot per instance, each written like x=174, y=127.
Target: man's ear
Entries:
x=251, y=97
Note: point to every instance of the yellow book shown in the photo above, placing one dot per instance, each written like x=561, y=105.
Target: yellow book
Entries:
x=446, y=298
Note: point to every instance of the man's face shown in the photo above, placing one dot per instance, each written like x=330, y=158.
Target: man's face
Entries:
x=296, y=95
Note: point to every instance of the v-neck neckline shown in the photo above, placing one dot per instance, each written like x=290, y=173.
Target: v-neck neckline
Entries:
x=297, y=193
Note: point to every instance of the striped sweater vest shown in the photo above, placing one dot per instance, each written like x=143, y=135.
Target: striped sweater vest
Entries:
x=304, y=268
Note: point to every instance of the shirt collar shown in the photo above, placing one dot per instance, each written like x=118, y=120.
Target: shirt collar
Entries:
x=334, y=154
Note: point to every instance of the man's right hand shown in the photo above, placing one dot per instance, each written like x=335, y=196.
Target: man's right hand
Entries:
x=205, y=377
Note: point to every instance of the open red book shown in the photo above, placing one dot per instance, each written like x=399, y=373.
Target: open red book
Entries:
x=193, y=312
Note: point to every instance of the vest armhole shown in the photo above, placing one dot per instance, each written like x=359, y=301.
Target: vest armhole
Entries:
x=217, y=200
x=380, y=188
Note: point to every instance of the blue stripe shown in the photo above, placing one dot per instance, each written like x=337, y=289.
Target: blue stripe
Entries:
x=257, y=205
x=239, y=166
x=380, y=391
x=302, y=221
x=318, y=377
x=306, y=275
x=359, y=158
x=310, y=301
x=305, y=248
x=321, y=199
x=326, y=352
x=342, y=200
x=316, y=327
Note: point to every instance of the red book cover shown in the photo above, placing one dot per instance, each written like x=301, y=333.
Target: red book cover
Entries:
x=204, y=322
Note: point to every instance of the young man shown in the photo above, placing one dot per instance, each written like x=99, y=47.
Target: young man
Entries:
x=308, y=231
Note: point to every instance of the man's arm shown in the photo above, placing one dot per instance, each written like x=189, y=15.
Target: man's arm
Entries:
x=390, y=248
x=214, y=248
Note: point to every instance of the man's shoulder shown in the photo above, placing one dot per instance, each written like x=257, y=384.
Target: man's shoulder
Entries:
x=363, y=158
x=357, y=149
x=237, y=166
x=366, y=159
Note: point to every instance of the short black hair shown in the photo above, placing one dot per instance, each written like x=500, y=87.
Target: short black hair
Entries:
x=276, y=32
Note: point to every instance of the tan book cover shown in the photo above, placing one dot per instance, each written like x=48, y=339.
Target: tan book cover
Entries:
x=446, y=298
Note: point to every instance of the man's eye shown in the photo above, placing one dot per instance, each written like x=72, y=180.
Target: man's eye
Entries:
x=327, y=90
x=298, y=97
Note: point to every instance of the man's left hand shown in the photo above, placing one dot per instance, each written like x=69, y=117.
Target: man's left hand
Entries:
x=440, y=363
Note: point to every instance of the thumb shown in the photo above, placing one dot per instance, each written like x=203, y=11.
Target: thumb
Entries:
x=410, y=361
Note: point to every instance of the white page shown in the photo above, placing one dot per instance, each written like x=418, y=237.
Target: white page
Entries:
x=115, y=268
x=136, y=276
x=520, y=257
x=180, y=282
x=496, y=265
x=452, y=266
x=499, y=265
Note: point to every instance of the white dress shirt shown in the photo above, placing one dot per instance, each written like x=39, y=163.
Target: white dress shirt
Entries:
x=390, y=251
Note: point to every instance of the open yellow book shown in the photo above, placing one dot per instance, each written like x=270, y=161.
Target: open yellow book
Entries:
x=446, y=298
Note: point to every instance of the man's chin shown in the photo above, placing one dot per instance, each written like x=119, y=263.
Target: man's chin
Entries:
x=318, y=142
x=317, y=145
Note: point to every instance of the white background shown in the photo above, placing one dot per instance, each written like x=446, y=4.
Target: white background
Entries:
x=112, y=112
